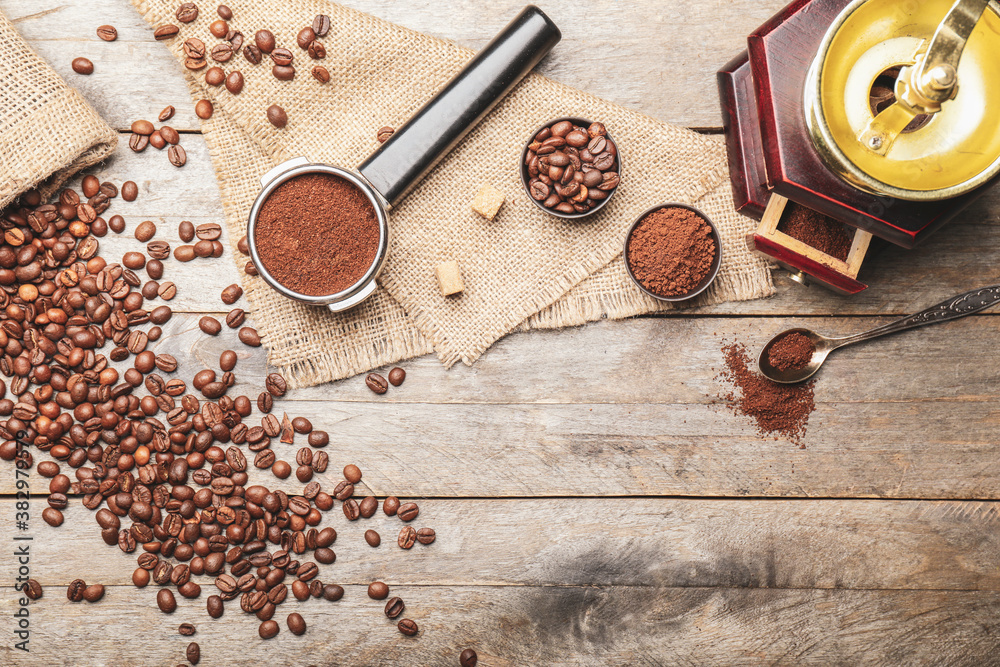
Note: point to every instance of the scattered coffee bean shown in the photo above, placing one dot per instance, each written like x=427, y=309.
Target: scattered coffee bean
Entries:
x=396, y=376
x=468, y=658
x=231, y=294
x=210, y=325
x=187, y=12
x=408, y=627
x=186, y=629
x=377, y=383
x=108, y=33
x=277, y=116
x=373, y=538
x=83, y=66
x=32, y=589
x=219, y=29
x=264, y=40
x=378, y=590
x=52, y=516
x=268, y=629
x=203, y=109
x=384, y=133
x=332, y=592
x=321, y=25
x=407, y=536
x=368, y=507
x=186, y=231
x=165, y=601
x=215, y=606
x=276, y=385
x=321, y=74
x=177, y=156
x=305, y=37
x=130, y=191
x=193, y=653
x=163, y=32
x=235, y=318
x=316, y=50
x=145, y=231
x=93, y=593
x=296, y=624
x=74, y=593
x=394, y=607
x=249, y=336
x=234, y=82
x=225, y=13
x=390, y=506
x=426, y=535
x=408, y=511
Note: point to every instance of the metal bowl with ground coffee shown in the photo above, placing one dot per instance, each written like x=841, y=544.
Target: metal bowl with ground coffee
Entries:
x=673, y=252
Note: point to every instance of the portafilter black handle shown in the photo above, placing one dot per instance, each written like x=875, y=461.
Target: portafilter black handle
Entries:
x=402, y=161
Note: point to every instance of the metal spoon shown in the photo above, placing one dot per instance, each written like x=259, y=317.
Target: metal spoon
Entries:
x=950, y=309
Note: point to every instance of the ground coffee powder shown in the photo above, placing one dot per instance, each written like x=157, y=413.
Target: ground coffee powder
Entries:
x=817, y=231
x=671, y=251
x=317, y=234
x=777, y=409
x=791, y=352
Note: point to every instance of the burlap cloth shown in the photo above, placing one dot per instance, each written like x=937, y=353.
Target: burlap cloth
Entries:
x=524, y=269
x=48, y=132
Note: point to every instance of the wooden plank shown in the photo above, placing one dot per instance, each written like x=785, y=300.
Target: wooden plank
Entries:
x=510, y=626
x=676, y=543
x=657, y=59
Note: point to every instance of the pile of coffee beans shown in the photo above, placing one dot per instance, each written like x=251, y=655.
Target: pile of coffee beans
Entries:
x=232, y=43
x=571, y=169
x=166, y=474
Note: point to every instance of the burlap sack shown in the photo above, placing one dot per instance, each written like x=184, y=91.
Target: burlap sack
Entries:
x=48, y=132
x=525, y=264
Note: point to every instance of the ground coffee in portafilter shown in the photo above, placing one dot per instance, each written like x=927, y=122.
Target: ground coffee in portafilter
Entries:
x=317, y=234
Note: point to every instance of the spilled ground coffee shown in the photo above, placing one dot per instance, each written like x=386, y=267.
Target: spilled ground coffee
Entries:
x=317, y=234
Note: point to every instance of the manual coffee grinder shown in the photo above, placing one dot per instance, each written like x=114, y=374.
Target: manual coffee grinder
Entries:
x=881, y=114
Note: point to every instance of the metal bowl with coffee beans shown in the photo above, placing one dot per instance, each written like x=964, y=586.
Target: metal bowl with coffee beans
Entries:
x=571, y=167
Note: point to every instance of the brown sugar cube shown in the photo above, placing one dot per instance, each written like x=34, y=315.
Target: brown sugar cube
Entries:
x=449, y=278
x=488, y=201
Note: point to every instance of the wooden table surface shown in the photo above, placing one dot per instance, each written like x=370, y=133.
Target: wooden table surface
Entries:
x=594, y=504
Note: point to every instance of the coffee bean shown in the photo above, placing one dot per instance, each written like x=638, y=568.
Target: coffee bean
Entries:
x=108, y=33
x=163, y=32
x=283, y=72
x=268, y=630
x=377, y=383
x=219, y=29
x=186, y=629
x=52, y=516
x=231, y=294
x=93, y=593
x=209, y=231
x=187, y=12
x=264, y=39
x=378, y=590
x=249, y=336
x=234, y=82
x=265, y=402
x=325, y=555
x=390, y=506
x=210, y=325
x=177, y=156
x=373, y=538
x=408, y=511
x=383, y=134
x=305, y=37
x=321, y=74
x=316, y=50
x=215, y=606
x=408, y=627
x=407, y=536
x=186, y=231
x=143, y=127
x=140, y=578
x=396, y=376
x=275, y=385
x=468, y=658
x=282, y=57
x=252, y=54
x=394, y=607
x=296, y=624
x=145, y=231
x=74, y=593
x=321, y=25
x=138, y=143
x=277, y=116
x=225, y=13
x=368, y=506
x=351, y=510
x=130, y=191
x=193, y=653
x=83, y=66
x=32, y=589
x=319, y=439
x=235, y=318
x=426, y=535
x=203, y=109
